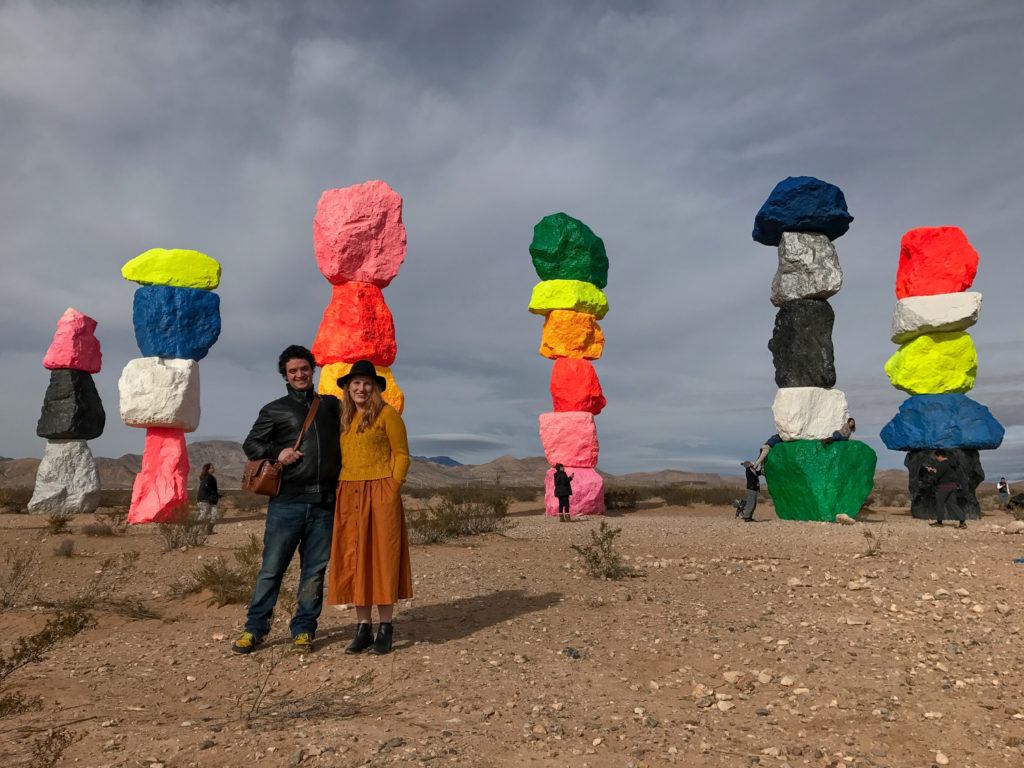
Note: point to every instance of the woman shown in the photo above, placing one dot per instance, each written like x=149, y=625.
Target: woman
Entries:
x=1003, y=489
x=370, y=552
x=208, y=496
x=563, y=490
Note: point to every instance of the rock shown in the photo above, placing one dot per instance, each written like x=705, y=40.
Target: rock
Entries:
x=66, y=482
x=1014, y=527
x=942, y=421
x=916, y=315
x=160, y=492
x=808, y=268
x=922, y=495
x=801, y=344
x=158, y=392
x=808, y=413
x=330, y=374
x=173, y=266
x=809, y=481
x=569, y=438
x=575, y=386
x=568, y=294
x=74, y=344
x=358, y=234
x=571, y=334
x=72, y=409
x=802, y=204
x=356, y=325
x=935, y=260
x=587, y=492
x=934, y=364
x=175, y=322
x=565, y=248
x=844, y=519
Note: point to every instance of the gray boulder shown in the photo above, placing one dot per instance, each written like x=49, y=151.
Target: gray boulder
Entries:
x=808, y=268
x=67, y=482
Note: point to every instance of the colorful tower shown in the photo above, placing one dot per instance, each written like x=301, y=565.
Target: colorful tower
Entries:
x=359, y=241
x=936, y=364
x=573, y=267
x=176, y=316
x=809, y=479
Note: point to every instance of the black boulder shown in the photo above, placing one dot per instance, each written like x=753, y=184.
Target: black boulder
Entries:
x=801, y=344
x=72, y=409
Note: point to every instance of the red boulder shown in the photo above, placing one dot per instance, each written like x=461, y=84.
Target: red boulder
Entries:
x=935, y=260
x=575, y=386
x=357, y=325
x=160, y=492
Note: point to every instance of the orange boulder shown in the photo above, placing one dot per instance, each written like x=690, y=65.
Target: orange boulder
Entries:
x=357, y=325
x=571, y=334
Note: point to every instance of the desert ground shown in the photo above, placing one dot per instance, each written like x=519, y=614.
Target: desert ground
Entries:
x=885, y=643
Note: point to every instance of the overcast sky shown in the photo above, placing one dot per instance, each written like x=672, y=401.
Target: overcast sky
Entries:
x=662, y=125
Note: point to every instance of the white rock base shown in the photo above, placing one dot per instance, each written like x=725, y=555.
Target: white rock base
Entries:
x=67, y=482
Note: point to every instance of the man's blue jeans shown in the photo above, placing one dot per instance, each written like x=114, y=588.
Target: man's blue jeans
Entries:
x=290, y=526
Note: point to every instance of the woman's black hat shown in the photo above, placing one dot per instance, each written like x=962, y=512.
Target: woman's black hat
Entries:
x=363, y=368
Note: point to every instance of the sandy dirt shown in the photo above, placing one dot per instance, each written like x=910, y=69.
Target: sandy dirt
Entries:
x=771, y=644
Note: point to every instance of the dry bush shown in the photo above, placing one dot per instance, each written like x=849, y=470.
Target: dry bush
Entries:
x=66, y=548
x=243, y=501
x=873, y=542
x=621, y=498
x=454, y=516
x=190, y=532
x=600, y=557
x=688, y=495
x=99, y=528
x=227, y=582
x=48, y=750
x=103, y=591
x=20, y=571
x=14, y=501
x=58, y=523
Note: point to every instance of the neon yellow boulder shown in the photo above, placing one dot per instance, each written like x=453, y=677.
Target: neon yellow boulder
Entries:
x=934, y=364
x=330, y=374
x=575, y=295
x=173, y=266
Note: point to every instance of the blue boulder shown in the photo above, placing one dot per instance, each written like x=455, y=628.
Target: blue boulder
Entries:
x=802, y=204
x=942, y=421
x=175, y=322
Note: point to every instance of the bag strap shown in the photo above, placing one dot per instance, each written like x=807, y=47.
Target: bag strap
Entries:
x=307, y=422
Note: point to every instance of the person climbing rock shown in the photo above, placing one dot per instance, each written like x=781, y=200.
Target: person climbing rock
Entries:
x=945, y=474
x=753, y=486
x=758, y=464
x=841, y=434
x=563, y=490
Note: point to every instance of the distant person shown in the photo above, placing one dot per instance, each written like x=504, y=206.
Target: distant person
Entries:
x=370, y=565
x=746, y=512
x=1003, y=491
x=301, y=516
x=841, y=434
x=563, y=490
x=207, y=498
x=758, y=464
x=944, y=477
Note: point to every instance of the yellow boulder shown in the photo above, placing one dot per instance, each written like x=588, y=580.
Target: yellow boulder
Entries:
x=576, y=295
x=934, y=364
x=571, y=334
x=330, y=374
x=173, y=266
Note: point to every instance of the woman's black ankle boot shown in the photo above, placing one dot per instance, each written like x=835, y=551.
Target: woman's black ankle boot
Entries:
x=385, y=636
x=363, y=639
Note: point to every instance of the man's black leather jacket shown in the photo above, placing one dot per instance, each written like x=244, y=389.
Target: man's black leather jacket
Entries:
x=278, y=425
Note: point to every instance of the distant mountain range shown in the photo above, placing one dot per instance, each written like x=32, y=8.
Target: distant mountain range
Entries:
x=444, y=461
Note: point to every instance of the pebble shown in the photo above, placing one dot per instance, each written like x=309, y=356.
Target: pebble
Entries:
x=941, y=759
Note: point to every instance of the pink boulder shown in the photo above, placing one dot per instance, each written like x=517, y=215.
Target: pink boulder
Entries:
x=569, y=438
x=358, y=233
x=587, y=492
x=160, y=493
x=357, y=325
x=74, y=345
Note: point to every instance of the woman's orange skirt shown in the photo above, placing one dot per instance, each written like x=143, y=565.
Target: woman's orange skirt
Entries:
x=370, y=548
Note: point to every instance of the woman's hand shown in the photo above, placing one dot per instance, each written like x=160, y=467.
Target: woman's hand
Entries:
x=289, y=456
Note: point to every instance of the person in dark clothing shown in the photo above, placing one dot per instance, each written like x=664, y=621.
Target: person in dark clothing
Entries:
x=770, y=443
x=746, y=513
x=301, y=516
x=563, y=490
x=945, y=481
x=207, y=498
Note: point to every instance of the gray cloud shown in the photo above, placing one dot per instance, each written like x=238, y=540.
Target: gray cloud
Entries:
x=662, y=125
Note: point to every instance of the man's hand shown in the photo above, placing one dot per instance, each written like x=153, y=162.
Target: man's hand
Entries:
x=289, y=456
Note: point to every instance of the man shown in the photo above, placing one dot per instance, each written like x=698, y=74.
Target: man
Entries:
x=301, y=516
x=841, y=434
x=945, y=480
x=753, y=486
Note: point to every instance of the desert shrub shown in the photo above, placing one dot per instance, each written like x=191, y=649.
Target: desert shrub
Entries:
x=58, y=523
x=99, y=528
x=454, y=515
x=621, y=498
x=226, y=582
x=14, y=501
x=103, y=592
x=116, y=497
x=48, y=750
x=600, y=557
x=688, y=495
x=243, y=501
x=18, y=574
x=66, y=548
x=188, y=533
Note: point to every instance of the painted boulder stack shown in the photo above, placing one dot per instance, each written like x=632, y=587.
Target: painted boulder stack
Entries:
x=936, y=365
x=67, y=482
x=176, y=316
x=359, y=241
x=809, y=480
x=573, y=267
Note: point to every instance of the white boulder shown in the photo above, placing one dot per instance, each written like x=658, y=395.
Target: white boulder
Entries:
x=808, y=268
x=809, y=413
x=160, y=392
x=66, y=482
x=917, y=315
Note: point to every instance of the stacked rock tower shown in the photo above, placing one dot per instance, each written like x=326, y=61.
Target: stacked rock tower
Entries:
x=67, y=482
x=809, y=480
x=936, y=364
x=359, y=241
x=573, y=267
x=176, y=316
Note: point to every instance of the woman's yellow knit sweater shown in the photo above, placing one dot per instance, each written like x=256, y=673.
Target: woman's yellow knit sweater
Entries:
x=381, y=450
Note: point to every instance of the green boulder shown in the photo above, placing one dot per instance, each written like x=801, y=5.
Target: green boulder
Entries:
x=811, y=481
x=565, y=248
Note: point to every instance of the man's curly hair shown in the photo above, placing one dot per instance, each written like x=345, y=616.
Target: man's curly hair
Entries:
x=295, y=352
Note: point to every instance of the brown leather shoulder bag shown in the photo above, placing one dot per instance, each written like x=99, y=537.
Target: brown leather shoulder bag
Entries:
x=263, y=476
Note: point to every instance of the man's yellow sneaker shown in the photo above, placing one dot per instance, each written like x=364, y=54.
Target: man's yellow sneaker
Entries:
x=246, y=643
x=303, y=643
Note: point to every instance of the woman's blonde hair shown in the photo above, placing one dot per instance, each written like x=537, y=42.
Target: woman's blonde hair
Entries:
x=349, y=410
